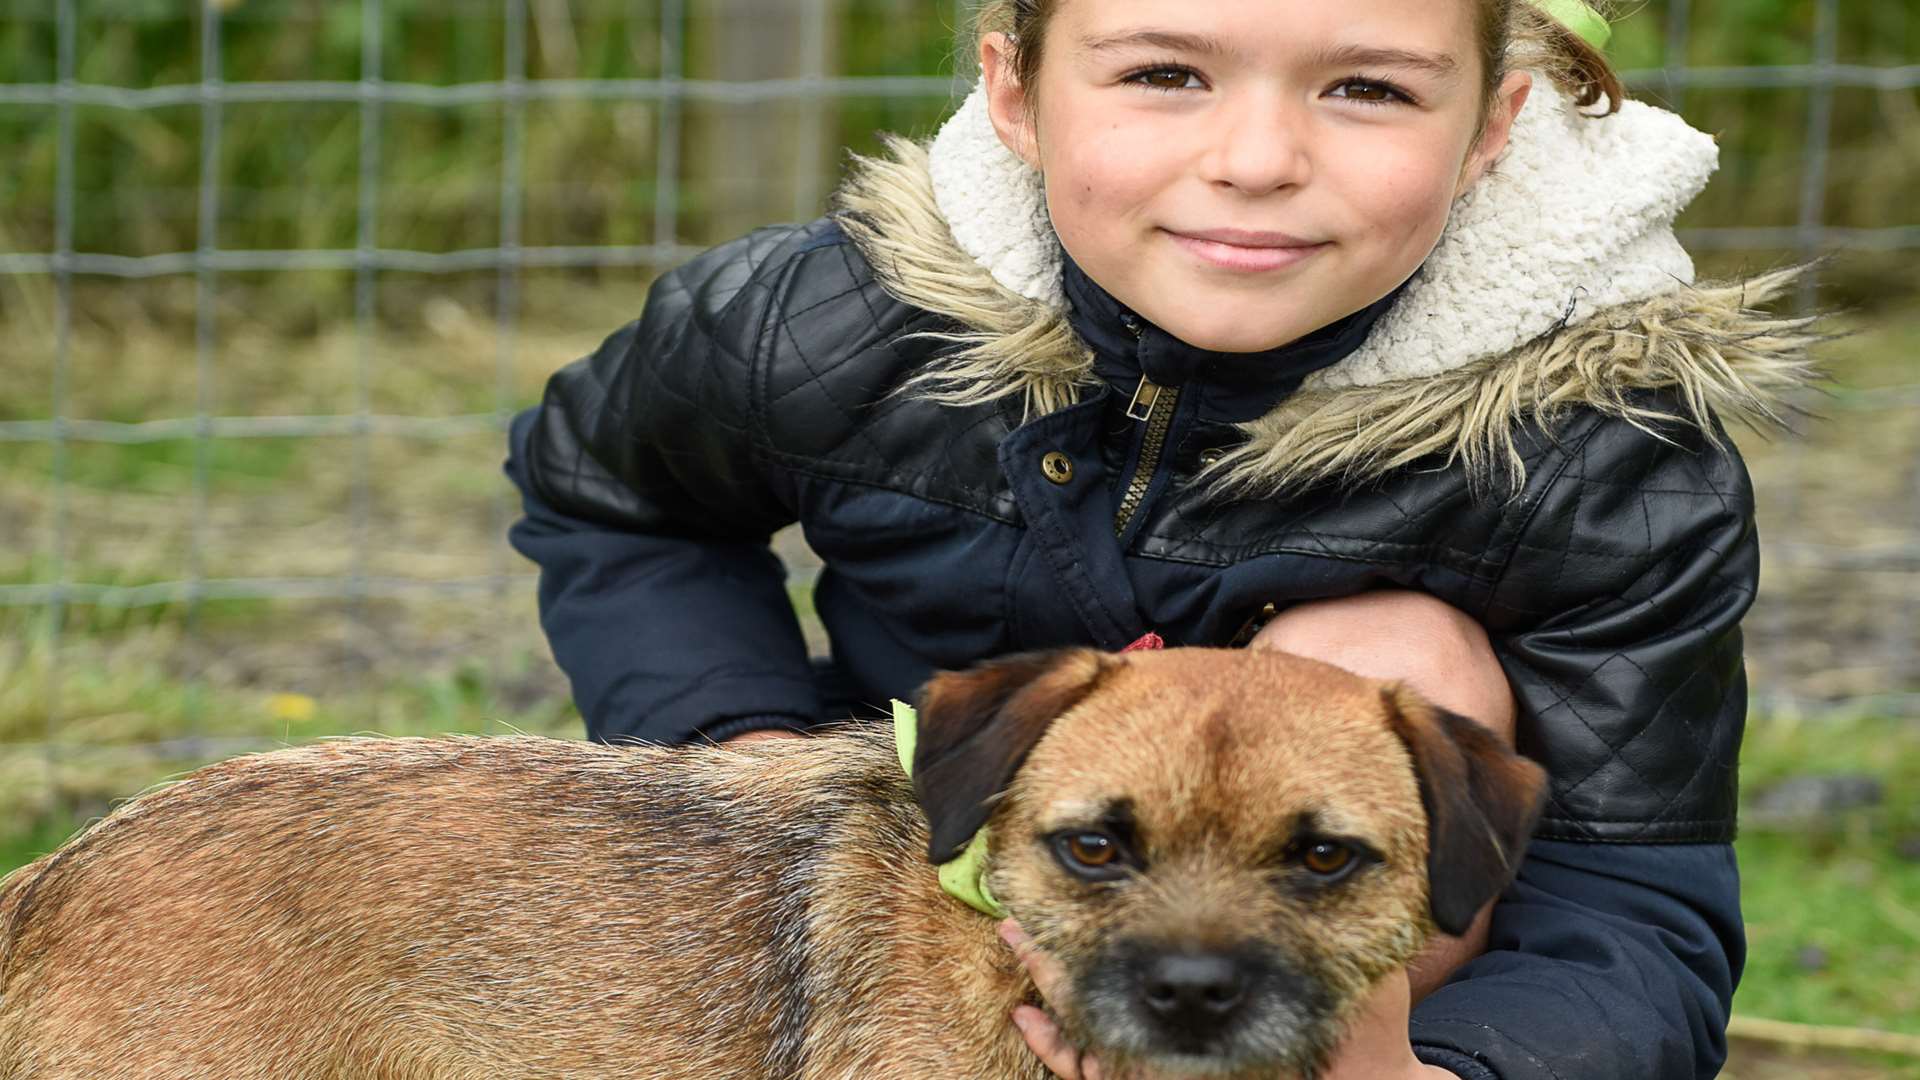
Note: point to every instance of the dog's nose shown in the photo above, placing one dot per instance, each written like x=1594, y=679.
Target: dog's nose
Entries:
x=1196, y=991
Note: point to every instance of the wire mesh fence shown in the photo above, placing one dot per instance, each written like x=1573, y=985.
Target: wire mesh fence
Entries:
x=1866, y=575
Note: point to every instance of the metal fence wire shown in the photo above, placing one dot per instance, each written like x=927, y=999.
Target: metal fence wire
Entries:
x=55, y=590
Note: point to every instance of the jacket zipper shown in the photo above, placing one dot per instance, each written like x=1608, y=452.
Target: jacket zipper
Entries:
x=1153, y=405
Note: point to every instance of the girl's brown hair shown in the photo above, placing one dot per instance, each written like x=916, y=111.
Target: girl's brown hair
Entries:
x=1510, y=34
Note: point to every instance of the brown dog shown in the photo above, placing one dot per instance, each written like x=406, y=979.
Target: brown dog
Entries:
x=1225, y=848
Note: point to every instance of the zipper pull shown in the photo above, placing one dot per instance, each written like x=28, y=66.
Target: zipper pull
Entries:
x=1145, y=397
x=1148, y=392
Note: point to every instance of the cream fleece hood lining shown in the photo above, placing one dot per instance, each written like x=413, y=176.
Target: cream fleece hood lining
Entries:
x=1557, y=282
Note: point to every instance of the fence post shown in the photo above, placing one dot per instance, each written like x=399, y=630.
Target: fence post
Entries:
x=513, y=121
x=205, y=312
x=56, y=612
x=673, y=63
x=365, y=305
x=747, y=41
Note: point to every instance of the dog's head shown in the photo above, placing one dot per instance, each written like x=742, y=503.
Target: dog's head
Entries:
x=1225, y=848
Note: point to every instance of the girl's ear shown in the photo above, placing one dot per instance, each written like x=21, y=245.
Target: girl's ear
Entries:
x=1508, y=100
x=1007, y=99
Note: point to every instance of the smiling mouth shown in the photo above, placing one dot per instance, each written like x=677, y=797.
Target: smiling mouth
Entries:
x=1247, y=238
x=1245, y=256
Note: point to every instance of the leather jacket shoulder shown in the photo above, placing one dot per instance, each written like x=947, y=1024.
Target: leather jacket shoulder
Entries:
x=766, y=383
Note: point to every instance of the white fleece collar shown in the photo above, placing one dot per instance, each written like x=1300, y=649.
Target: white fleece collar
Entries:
x=1576, y=215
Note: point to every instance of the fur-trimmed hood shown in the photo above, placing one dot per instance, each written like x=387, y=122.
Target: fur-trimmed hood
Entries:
x=1557, y=282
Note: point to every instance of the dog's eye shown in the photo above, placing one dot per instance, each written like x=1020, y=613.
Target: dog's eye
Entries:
x=1326, y=858
x=1093, y=855
x=1092, y=848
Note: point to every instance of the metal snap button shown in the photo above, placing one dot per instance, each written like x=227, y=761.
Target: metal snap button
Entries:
x=1057, y=467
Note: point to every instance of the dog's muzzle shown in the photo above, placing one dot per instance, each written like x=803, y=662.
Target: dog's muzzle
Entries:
x=1205, y=1010
x=1197, y=995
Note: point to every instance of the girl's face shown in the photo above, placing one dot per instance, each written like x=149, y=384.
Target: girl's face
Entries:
x=1340, y=130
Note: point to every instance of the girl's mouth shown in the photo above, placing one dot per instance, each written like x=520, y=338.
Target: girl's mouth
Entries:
x=1244, y=258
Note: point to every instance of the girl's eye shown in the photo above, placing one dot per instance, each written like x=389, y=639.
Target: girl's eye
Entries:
x=1167, y=77
x=1371, y=91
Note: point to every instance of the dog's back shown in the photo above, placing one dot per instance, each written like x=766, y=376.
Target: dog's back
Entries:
x=396, y=886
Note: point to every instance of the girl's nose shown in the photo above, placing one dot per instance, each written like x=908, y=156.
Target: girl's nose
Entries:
x=1260, y=141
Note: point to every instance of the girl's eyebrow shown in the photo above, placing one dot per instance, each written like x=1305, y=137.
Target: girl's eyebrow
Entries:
x=1163, y=39
x=1438, y=65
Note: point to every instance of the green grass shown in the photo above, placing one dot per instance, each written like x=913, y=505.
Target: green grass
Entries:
x=164, y=466
x=20, y=847
x=1833, y=911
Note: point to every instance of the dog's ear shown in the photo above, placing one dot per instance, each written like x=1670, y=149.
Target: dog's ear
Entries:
x=976, y=728
x=1482, y=801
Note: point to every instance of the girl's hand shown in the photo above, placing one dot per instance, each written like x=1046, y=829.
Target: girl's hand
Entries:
x=1043, y=1037
x=1377, y=1047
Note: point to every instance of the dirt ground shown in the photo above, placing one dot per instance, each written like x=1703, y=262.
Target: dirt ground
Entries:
x=1755, y=1061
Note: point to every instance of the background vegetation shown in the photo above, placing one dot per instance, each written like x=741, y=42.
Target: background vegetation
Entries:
x=288, y=171
x=100, y=701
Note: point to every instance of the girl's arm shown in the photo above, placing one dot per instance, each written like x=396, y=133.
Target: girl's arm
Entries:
x=1604, y=961
x=1617, y=950
x=649, y=513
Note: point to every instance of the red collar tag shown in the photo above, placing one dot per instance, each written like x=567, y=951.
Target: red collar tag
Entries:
x=1148, y=640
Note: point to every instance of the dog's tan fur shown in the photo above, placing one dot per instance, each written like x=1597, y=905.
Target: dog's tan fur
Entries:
x=465, y=907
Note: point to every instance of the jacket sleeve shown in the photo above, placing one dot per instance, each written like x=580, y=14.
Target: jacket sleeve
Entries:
x=1604, y=961
x=1617, y=620
x=1617, y=949
x=649, y=510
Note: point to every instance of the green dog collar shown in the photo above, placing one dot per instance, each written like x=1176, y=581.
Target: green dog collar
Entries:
x=965, y=877
x=1576, y=16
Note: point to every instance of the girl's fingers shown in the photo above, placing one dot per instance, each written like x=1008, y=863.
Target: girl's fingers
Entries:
x=1048, y=976
x=1043, y=1037
x=1376, y=1043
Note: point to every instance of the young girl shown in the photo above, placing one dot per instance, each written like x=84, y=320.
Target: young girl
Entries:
x=1354, y=329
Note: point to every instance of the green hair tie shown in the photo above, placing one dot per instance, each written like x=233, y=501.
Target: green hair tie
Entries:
x=1576, y=16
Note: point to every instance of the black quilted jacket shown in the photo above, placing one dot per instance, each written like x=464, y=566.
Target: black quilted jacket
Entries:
x=754, y=391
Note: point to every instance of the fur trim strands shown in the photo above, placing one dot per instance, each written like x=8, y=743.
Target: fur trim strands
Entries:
x=1010, y=344
x=1557, y=282
x=1705, y=343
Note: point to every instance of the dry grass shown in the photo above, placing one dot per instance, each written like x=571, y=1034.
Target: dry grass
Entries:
x=1845, y=489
